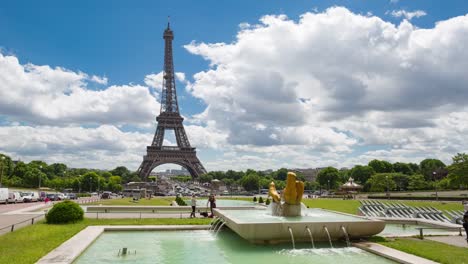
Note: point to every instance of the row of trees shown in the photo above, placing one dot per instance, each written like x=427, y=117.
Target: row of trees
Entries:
x=377, y=175
x=58, y=176
x=380, y=175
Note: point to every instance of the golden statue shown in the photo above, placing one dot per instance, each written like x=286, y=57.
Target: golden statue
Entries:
x=294, y=190
x=273, y=193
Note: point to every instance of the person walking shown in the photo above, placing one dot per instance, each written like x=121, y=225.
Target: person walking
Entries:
x=465, y=224
x=212, y=202
x=194, y=205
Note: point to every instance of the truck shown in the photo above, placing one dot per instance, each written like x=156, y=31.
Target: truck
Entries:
x=4, y=195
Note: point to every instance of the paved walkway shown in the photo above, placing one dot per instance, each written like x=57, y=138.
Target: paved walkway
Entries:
x=459, y=241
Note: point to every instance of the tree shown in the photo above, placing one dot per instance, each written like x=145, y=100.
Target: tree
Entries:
x=402, y=168
x=56, y=170
x=458, y=170
x=89, y=181
x=361, y=173
x=205, y=178
x=414, y=168
x=328, y=177
x=428, y=166
x=250, y=182
x=381, y=166
x=401, y=180
x=121, y=171
x=32, y=176
x=114, y=183
x=380, y=182
x=417, y=182
x=280, y=174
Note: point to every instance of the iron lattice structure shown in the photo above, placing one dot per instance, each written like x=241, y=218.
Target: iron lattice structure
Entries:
x=170, y=119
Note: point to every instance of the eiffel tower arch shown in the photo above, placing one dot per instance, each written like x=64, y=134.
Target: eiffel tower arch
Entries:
x=170, y=119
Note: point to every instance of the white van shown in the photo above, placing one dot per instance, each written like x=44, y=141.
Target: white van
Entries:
x=4, y=195
x=14, y=197
x=30, y=196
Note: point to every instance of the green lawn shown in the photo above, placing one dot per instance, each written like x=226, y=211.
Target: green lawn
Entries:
x=432, y=250
x=29, y=244
x=345, y=206
x=351, y=206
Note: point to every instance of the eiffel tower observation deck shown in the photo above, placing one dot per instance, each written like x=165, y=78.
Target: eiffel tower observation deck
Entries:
x=170, y=119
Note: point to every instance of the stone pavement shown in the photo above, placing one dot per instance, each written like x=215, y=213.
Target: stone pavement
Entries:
x=459, y=241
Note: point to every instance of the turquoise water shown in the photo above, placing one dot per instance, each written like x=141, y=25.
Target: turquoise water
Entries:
x=223, y=203
x=410, y=230
x=308, y=215
x=201, y=246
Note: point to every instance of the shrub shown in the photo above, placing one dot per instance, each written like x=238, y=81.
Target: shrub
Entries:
x=255, y=199
x=267, y=202
x=64, y=212
x=260, y=200
x=180, y=201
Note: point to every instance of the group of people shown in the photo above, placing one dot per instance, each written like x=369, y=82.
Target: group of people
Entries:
x=211, y=202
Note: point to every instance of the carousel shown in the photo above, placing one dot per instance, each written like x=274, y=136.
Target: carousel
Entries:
x=350, y=189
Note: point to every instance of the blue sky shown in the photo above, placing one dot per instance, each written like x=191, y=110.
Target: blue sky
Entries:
x=122, y=41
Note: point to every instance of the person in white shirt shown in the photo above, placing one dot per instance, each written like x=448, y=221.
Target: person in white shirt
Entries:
x=194, y=205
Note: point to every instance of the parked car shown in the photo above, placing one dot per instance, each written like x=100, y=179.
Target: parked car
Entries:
x=52, y=197
x=30, y=196
x=14, y=197
x=61, y=196
x=72, y=196
x=105, y=195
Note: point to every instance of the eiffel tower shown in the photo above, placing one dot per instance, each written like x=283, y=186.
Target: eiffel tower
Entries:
x=169, y=118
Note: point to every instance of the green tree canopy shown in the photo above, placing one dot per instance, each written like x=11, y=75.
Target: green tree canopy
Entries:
x=458, y=171
x=429, y=166
x=328, y=176
x=381, y=182
x=250, y=182
x=402, y=168
x=361, y=173
x=381, y=166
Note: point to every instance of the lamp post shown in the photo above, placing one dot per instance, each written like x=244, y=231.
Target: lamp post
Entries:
x=1, y=172
x=434, y=174
x=388, y=193
x=328, y=186
x=40, y=176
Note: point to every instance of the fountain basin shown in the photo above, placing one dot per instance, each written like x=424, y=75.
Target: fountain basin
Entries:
x=258, y=227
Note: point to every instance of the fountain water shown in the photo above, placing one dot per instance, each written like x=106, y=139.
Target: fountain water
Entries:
x=214, y=223
x=220, y=222
x=346, y=236
x=292, y=237
x=329, y=237
x=311, y=237
x=219, y=228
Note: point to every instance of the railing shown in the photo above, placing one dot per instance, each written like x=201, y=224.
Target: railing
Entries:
x=12, y=227
x=421, y=232
x=85, y=201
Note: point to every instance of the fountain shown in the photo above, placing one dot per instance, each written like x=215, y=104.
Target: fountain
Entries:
x=286, y=215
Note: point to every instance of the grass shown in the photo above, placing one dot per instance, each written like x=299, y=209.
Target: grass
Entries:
x=432, y=250
x=29, y=244
x=345, y=206
x=351, y=206
x=128, y=201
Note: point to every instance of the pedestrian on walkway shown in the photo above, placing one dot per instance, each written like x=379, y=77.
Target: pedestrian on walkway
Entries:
x=465, y=224
x=212, y=202
x=194, y=205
